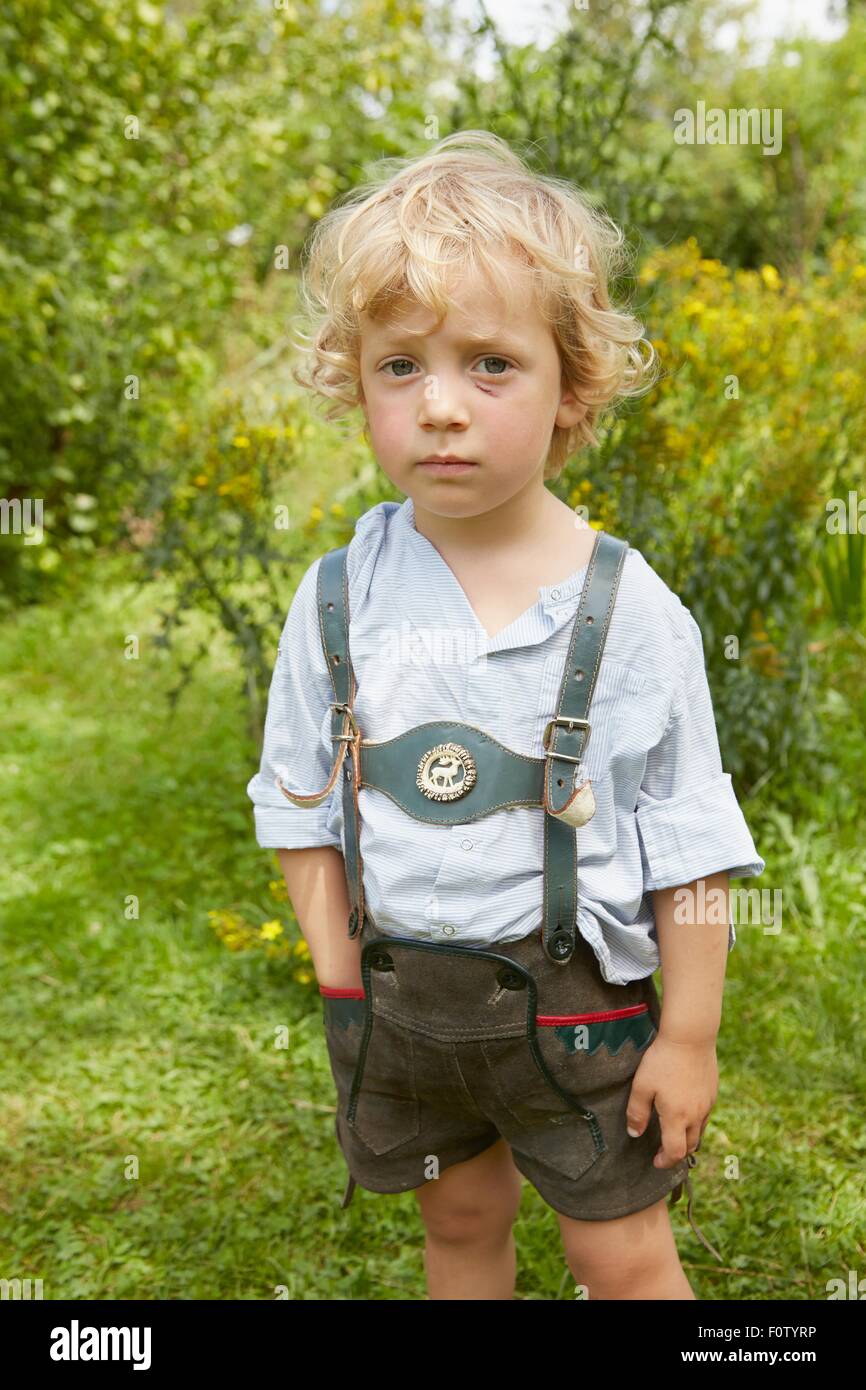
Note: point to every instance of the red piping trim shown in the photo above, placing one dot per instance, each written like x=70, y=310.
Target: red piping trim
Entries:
x=331, y=992
x=556, y=1020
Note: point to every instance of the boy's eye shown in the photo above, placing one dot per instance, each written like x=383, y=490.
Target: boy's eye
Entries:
x=401, y=362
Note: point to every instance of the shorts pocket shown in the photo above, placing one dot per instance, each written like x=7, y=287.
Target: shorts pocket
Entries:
x=570, y=1060
x=608, y=1029
x=373, y=1065
x=591, y=1052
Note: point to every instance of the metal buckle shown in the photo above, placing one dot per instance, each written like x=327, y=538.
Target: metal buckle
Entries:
x=347, y=711
x=572, y=724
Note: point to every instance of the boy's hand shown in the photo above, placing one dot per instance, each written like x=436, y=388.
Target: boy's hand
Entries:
x=682, y=1080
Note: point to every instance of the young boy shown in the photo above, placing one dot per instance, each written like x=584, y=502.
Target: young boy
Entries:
x=490, y=749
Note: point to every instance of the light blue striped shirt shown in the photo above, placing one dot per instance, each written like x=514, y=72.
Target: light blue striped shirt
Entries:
x=666, y=812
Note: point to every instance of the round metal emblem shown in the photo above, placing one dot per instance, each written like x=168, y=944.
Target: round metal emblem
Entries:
x=446, y=772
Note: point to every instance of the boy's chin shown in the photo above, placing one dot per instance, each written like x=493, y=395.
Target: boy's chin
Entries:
x=444, y=502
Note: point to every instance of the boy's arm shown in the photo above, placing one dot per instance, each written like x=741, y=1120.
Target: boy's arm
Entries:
x=297, y=749
x=316, y=882
x=679, y=1073
x=694, y=954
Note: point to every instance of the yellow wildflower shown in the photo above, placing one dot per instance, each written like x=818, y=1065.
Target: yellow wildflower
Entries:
x=269, y=931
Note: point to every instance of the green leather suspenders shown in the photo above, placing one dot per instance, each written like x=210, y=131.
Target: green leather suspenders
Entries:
x=448, y=772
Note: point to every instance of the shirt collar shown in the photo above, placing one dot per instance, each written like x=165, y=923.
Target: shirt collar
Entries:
x=550, y=595
x=555, y=607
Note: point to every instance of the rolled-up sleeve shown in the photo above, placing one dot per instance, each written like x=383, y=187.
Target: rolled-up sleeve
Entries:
x=296, y=726
x=689, y=820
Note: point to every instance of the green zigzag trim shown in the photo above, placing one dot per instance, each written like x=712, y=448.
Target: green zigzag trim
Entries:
x=344, y=1011
x=611, y=1033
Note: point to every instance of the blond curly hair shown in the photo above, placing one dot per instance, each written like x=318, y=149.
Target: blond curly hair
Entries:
x=467, y=204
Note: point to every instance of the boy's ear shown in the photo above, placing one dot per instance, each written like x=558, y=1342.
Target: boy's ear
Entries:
x=365, y=433
x=570, y=411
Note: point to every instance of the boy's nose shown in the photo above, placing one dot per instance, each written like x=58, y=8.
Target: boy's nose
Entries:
x=442, y=404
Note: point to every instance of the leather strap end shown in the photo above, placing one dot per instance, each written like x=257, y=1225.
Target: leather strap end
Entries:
x=313, y=799
x=349, y=1192
x=579, y=808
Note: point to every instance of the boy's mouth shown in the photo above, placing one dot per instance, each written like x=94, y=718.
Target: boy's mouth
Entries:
x=446, y=463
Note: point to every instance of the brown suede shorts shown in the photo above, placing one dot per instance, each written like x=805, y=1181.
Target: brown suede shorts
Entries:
x=449, y=1048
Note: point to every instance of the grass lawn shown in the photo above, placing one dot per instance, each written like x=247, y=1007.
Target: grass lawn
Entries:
x=155, y=1143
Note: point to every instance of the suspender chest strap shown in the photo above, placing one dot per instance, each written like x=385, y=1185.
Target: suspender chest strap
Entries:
x=450, y=773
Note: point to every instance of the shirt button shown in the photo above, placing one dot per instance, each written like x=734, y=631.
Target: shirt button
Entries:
x=449, y=931
x=554, y=593
x=466, y=844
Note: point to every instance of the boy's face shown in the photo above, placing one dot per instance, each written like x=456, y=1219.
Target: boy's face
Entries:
x=492, y=399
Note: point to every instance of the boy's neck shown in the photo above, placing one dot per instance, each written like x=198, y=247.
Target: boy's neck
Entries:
x=526, y=520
